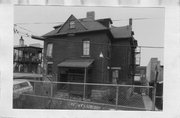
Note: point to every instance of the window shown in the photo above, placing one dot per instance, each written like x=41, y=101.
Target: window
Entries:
x=72, y=24
x=86, y=48
x=49, y=69
x=115, y=74
x=49, y=50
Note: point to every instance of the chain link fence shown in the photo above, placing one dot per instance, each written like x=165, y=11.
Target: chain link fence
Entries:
x=94, y=96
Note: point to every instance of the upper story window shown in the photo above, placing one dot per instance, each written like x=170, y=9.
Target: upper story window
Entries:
x=49, y=50
x=72, y=24
x=86, y=48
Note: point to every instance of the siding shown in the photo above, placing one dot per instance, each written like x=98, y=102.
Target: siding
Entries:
x=71, y=48
x=121, y=58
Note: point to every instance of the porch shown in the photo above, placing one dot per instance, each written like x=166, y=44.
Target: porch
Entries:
x=77, y=71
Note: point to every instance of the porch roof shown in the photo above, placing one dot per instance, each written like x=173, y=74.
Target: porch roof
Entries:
x=81, y=63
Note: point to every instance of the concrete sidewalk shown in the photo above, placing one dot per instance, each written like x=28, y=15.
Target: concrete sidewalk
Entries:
x=147, y=102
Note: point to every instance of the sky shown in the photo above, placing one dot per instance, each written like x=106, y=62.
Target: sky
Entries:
x=149, y=31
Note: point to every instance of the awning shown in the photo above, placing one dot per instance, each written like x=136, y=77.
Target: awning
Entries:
x=81, y=63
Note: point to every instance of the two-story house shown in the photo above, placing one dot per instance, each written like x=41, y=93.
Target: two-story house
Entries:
x=87, y=50
x=27, y=59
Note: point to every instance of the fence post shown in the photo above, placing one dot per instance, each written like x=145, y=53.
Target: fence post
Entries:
x=84, y=92
x=117, y=95
x=51, y=89
x=154, y=98
x=154, y=92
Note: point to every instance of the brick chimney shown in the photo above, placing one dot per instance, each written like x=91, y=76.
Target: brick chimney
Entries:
x=90, y=15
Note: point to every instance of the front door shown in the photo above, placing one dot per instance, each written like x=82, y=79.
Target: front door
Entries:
x=115, y=76
x=63, y=77
x=76, y=75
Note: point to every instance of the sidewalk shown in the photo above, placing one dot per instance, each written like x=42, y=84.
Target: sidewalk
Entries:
x=147, y=102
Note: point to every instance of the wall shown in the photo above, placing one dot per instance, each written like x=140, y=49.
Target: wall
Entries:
x=121, y=57
x=70, y=47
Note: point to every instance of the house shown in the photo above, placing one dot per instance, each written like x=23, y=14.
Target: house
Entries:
x=87, y=50
x=154, y=76
x=27, y=59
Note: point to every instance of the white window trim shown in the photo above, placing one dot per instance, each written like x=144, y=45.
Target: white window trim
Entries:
x=49, y=50
x=86, y=48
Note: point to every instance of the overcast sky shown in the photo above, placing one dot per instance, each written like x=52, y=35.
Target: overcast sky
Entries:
x=148, y=32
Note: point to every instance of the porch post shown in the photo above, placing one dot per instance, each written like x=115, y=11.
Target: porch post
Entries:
x=84, y=93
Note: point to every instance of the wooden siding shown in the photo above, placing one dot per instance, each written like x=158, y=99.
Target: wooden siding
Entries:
x=70, y=47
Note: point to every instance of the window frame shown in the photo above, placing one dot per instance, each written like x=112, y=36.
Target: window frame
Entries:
x=49, y=51
x=86, y=48
x=72, y=24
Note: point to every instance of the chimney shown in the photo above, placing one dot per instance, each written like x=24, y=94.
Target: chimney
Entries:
x=130, y=22
x=21, y=41
x=90, y=15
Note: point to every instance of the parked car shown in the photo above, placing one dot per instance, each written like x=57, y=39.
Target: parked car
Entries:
x=21, y=86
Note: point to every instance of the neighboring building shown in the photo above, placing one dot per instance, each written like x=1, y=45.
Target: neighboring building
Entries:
x=27, y=59
x=152, y=67
x=89, y=50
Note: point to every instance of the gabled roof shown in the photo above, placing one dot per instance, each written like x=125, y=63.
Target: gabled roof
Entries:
x=87, y=25
x=84, y=25
x=121, y=32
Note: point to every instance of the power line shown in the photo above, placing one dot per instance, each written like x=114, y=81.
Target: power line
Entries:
x=79, y=42
x=22, y=33
x=60, y=22
x=150, y=46
x=15, y=25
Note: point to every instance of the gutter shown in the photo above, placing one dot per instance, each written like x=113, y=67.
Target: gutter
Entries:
x=79, y=32
x=38, y=37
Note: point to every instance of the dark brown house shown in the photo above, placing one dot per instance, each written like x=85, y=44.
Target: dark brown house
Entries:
x=90, y=51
